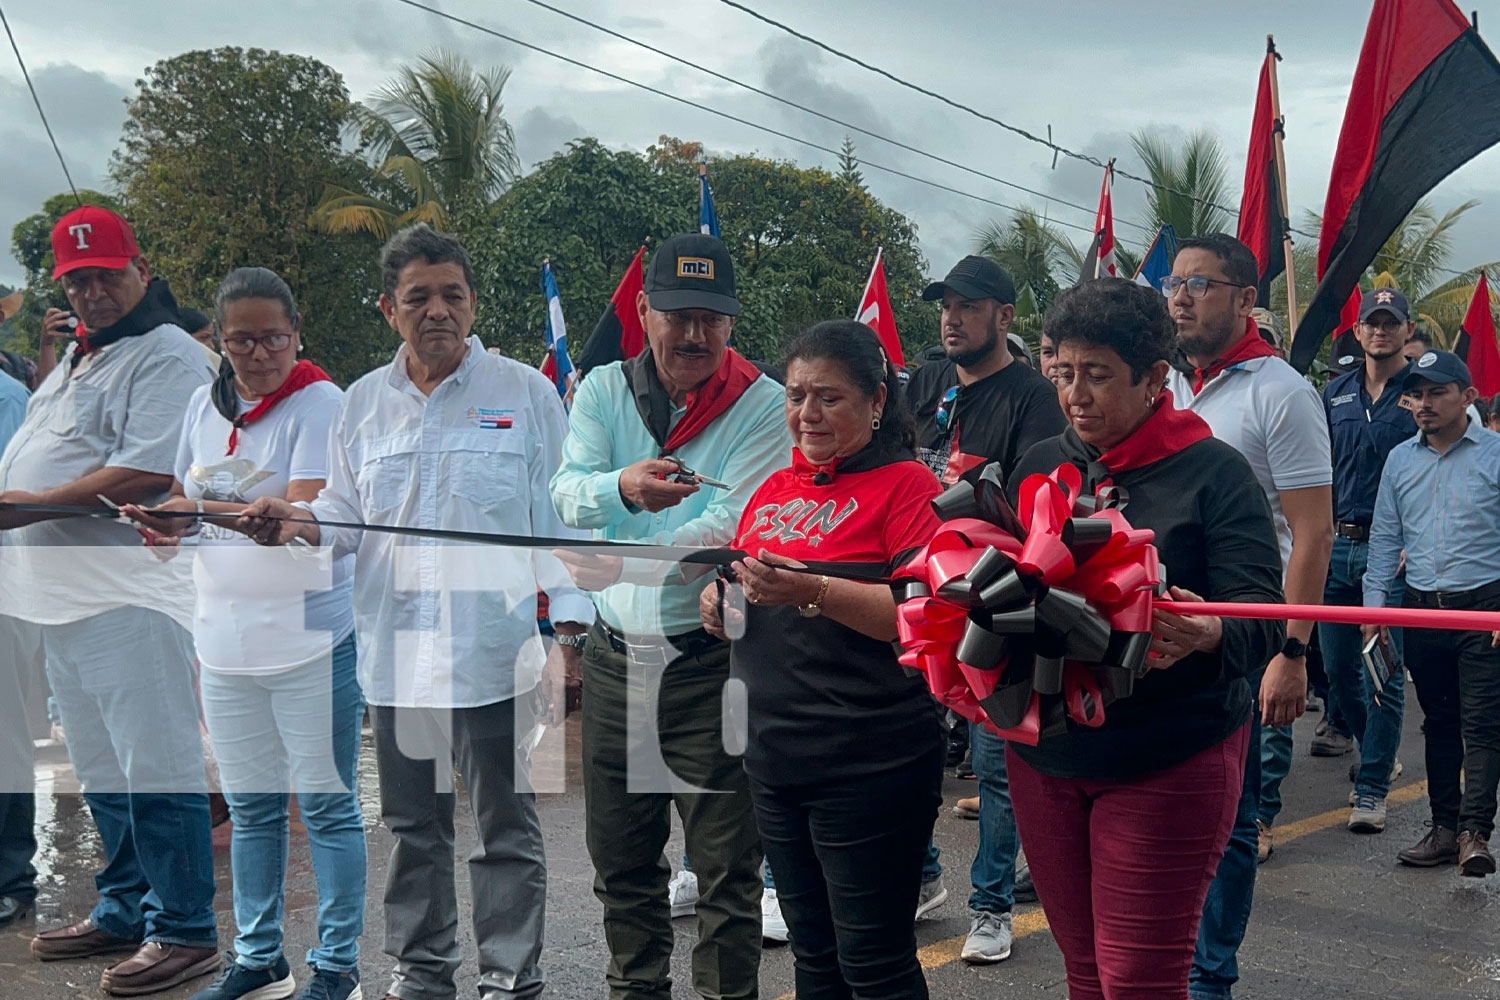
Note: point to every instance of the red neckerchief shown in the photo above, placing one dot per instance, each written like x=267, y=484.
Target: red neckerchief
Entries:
x=1166, y=432
x=1251, y=345
x=712, y=399
x=303, y=374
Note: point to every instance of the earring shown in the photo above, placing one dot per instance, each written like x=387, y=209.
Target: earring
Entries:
x=875, y=424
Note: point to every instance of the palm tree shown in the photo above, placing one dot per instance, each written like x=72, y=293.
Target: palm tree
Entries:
x=442, y=146
x=1030, y=248
x=1188, y=183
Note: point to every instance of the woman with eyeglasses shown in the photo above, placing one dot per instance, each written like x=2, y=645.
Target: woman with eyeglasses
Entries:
x=1125, y=823
x=275, y=639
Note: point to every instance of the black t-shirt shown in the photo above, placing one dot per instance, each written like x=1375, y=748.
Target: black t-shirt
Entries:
x=994, y=420
x=828, y=703
x=1215, y=538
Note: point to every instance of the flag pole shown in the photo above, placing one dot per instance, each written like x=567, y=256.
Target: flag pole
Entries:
x=1285, y=202
x=878, y=251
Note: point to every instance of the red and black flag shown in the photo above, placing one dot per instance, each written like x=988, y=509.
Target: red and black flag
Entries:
x=1425, y=100
x=618, y=336
x=1263, y=205
x=1476, y=341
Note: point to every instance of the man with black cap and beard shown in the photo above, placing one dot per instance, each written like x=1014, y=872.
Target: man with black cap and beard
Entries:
x=980, y=405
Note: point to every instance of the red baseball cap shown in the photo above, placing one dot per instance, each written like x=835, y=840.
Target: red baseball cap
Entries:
x=90, y=236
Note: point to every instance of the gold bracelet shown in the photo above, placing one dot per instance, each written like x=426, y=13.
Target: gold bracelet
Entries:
x=815, y=609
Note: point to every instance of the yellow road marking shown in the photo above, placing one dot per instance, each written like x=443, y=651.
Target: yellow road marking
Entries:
x=947, y=951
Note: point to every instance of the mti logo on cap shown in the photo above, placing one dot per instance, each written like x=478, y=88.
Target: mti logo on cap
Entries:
x=695, y=267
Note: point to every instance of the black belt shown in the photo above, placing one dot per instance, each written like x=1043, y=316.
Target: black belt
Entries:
x=1487, y=594
x=1353, y=532
x=663, y=651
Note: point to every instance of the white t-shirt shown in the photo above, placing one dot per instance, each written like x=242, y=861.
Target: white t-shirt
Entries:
x=262, y=610
x=120, y=407
x=1274, y=417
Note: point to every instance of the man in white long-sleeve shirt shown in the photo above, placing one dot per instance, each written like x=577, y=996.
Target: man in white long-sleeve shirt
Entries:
x=449, y=436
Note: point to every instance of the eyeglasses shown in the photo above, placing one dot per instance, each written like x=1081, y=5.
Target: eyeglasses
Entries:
x=1197, y=285
x=272, y=342
x=1391, y=325
x=946, y=406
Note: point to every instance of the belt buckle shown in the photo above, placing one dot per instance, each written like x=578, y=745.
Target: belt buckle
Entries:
x=652, y=655
x=1438, y=598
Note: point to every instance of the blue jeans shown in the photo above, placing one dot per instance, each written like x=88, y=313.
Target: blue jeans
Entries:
x=994, y=870
x=1226, y=911
x=1275, y=764
x=124, y=686
x=1377, y=729
x=297, y=729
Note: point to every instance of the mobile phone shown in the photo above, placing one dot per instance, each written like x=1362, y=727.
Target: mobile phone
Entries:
x=1378, y=663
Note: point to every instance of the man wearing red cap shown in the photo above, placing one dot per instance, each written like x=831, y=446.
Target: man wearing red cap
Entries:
x=110, y=618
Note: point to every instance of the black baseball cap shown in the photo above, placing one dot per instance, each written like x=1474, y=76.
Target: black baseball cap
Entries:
x=1389, y=299
x=1441, y=367
x=692, y=271
x=975, y=277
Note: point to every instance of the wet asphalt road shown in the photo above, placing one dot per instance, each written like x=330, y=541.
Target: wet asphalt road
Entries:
x=1335, y=916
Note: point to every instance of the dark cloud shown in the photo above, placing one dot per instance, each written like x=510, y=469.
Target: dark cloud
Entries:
x=540, y=133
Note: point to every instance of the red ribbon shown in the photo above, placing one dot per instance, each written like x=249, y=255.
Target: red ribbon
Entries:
x=1115, y=576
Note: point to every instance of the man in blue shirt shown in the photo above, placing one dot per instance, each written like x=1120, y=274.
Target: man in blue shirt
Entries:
x=18, y=662
x=1365, y=421
x=653, y=679
x=1439, y=501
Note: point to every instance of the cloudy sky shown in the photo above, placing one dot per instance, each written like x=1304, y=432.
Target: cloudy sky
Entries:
x=1093, y=71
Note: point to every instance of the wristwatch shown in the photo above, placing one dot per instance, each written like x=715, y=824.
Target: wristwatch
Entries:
x=1294, y=649
x=577, y=641
x=815, y=609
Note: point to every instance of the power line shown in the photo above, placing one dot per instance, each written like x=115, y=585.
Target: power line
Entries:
x=1023, y=133
x=38, y=102
x=819, y=114
x=714, y=111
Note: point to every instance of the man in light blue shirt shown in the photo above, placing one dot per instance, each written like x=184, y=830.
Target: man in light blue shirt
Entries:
x=1439, y=501
x=654, y=680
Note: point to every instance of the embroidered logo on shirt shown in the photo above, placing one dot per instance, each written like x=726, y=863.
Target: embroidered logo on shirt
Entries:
x=1341, y=400
x=796, y=520
x=491, y=420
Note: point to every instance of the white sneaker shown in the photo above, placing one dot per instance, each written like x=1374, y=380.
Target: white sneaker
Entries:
x=682, y=893
x=772, y=924
x=1367, y=815
x=934, y=894
x=990, y=937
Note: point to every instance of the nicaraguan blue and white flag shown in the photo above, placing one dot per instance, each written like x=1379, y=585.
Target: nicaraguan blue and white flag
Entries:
x=708, y=217
x=558, y=366
x=1157, y=263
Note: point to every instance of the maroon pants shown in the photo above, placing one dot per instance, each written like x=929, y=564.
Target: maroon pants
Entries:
x=1123, y=867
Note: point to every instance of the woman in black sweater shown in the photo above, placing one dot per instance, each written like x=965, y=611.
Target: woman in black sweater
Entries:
x=1124, y=824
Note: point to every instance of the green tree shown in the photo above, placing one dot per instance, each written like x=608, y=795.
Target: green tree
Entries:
x=224, y=154
x=442, y=144
x=1032, y=249
x=849, y=171
x=802, y=242
x=1189, y=181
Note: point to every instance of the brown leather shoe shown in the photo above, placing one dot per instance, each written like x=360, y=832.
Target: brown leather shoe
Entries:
x=1474, y=857
x=156, y=967
x=80, y=940
x=1439, y=847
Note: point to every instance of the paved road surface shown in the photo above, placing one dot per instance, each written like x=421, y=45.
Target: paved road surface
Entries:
x=1335, y=917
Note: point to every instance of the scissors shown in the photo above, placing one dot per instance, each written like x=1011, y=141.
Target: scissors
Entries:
x=686, y=475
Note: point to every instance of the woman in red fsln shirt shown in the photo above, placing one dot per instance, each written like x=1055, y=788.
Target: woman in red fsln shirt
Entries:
x=845, y=747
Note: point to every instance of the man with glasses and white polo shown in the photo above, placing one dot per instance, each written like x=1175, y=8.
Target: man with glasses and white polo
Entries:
x=1231, y=377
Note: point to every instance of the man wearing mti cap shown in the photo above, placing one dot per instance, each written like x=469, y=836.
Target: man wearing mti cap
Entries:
x=654, y=680
x=1439, y=501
